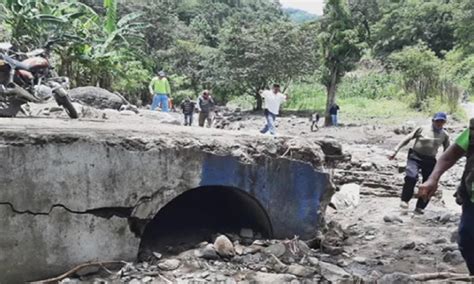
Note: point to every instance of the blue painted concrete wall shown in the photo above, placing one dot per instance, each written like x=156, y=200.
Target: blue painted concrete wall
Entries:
x=289, y=191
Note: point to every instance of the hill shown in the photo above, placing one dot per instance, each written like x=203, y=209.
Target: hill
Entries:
x=299, y=16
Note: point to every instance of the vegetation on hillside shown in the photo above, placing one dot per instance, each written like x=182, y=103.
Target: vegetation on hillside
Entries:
x=299, y=16
x=420, y=52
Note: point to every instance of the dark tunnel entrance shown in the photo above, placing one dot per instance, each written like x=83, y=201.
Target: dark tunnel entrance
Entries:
x=198, y=215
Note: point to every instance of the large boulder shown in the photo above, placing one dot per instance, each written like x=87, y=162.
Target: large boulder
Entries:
x=96, y=97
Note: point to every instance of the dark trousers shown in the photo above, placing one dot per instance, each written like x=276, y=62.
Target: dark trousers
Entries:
x=466, y=235
x=188, y=119
x=415, y=164
x=203, y=117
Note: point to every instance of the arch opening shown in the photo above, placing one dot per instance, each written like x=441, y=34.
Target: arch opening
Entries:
x=198, y=215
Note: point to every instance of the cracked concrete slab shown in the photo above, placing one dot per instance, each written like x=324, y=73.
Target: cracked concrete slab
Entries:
x=78, y=191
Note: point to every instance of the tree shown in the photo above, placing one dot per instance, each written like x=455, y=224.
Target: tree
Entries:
x=420, y=69
x=250, y=58
x=406, y=23
x=465, y=26
x=341, y=46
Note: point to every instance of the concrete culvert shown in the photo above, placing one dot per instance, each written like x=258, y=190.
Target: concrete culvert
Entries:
x=198, y=214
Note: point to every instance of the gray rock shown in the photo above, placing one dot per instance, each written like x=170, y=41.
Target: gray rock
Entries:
x=374, y=276
x=303, y=247
x=453, y=258
x=169, y=264
x=262, y=277
x=441, y=241
x=409, y=246
x=96, y=97
x=392, y=219
x=366, y=166
x=448, y=248
x=300, y=270
x=224, y=246
x=445, y=218
x=396, y=278
x=207, y=252
x=401, y=167
x=277, y=249
x=347, y=197
x=246, y=233
x=332, y=272
x=454, y=236
x=313, y=261
x=157, y=255
x=360, y=260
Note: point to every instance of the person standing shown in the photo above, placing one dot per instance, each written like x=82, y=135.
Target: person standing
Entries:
x=272, y=102
x=205, y=106
x=464, y=146
x=422, y=157
x=314, y=121
x=160, y=89
x=188, y=110
x=333, y=111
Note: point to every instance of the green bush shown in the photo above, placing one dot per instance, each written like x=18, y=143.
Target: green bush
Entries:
x=372, y=86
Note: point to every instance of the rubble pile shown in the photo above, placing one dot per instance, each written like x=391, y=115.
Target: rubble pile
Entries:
x=227, y=261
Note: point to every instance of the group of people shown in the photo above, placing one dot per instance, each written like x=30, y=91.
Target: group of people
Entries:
x=273, y=99
x=422, y=159
x=160, y=90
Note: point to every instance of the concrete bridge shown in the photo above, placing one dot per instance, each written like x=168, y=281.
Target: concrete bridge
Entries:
x=81, y=191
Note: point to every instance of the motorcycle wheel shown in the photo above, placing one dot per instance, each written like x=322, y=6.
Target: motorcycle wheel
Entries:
x=66, y=103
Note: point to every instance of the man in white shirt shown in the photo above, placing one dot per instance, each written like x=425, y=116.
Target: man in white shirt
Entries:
x=272, y=101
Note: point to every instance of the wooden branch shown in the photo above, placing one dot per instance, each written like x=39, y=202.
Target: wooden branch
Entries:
x=76, y=269
x=442, y=276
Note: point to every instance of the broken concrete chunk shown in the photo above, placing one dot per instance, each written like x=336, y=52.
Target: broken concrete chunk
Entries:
x=347, y=197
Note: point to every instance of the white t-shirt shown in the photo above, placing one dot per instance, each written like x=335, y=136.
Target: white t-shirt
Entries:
x=273, y=101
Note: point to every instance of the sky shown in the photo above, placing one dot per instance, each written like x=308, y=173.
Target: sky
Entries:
x=312, y=6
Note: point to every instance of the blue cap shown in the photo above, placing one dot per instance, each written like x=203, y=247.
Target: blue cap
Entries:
x=440, y=116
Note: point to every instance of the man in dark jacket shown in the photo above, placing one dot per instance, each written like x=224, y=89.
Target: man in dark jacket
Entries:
x=206, y=106
x=188, y=110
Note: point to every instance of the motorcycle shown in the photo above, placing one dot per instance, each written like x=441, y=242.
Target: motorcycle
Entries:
x=30, y=80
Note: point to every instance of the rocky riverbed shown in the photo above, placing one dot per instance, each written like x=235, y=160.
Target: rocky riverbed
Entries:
x=368, y=237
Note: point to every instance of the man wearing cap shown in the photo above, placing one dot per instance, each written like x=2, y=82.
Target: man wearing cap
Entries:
x=422, y=157
x=464, y=146
x=272, y=99
x=160, y=90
